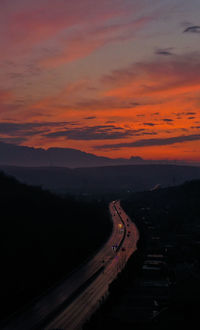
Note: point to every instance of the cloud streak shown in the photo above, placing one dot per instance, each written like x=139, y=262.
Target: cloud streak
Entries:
x=20, y=132
x=168, y=76
x=100, y=132
x=165, y=52
x=192, y=29
x=151, y=142
x=89, y=39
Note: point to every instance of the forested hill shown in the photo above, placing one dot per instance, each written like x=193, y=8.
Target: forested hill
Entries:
x=170, y=208
x=108, y=179
x=43, y=237
x=169, y=222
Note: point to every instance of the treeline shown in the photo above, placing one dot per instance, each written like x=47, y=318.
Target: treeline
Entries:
x=43, y=238
x=173, y=214
x=170, y=209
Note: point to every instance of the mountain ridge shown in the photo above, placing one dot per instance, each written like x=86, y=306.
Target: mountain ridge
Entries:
x=105, y=179
x=15, y=155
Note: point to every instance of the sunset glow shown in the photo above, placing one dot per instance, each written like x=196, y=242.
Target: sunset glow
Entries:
x=116, y=78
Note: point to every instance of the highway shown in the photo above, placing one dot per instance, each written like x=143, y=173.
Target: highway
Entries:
x=70, y=304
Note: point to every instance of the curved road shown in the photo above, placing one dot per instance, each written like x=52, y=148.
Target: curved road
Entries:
x=70, y=304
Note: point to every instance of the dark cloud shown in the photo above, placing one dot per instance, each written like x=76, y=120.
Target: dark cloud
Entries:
x=15, y=128
x=91, y=117
x=191, y=117
x=13, y=140
x=149, y=133
x=151, y=142
x=149, y=124
x=134, y=104
x=193, y=29
x=165, y=52
x=101, y=132
x=17, y=133
x=28, y=128
x=167, y=120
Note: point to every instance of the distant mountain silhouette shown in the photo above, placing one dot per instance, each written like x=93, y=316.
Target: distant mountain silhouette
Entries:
x=14, y=155
x=107, y=179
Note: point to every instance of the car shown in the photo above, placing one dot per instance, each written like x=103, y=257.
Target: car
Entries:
x=114, y=247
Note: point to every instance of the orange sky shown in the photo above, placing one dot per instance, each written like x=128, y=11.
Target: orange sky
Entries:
x=121, y=78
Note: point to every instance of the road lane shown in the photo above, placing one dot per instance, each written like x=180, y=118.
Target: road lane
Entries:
x=54, y=310
x=82, y=308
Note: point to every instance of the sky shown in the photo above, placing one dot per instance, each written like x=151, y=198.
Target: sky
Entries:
x=116, y=78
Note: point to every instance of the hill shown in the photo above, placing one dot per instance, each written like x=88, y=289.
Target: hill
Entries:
x=15, y=155
x=169, y=220
x=38, y=232
x=101, y=180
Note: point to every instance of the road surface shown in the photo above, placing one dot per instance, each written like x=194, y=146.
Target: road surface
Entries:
x=70, y=304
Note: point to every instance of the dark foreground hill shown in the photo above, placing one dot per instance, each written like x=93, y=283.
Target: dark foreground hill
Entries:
x=159, y=289
x=43, y=237
x=109, y=179
x=170, y=219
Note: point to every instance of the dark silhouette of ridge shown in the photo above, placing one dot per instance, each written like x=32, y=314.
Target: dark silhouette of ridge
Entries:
x=107, y=179
x=15, y=155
